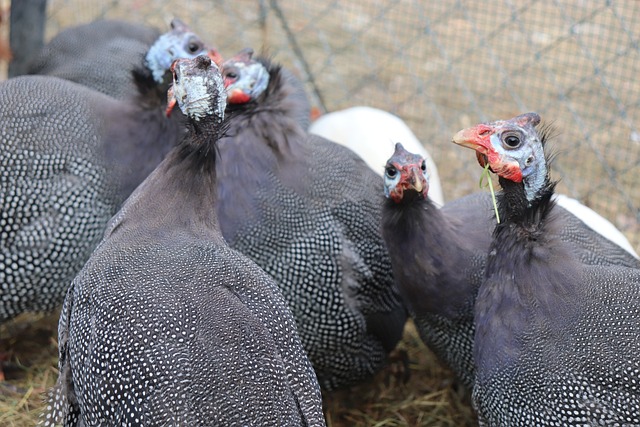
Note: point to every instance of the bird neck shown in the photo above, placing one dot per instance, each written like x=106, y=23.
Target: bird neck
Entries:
x=151, y=93
x=137, y=139
x=426, y=255
x=530, y=278
x=267, y=135
x=180, y=195
x=523, y=205
x=274, y=116
x=294, y=99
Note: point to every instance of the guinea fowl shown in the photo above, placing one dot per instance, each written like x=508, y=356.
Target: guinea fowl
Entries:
x=308, y=212
x=104, y=54
x=439, y=255
x=165, y=324
x=556, y=341
x=68, y=157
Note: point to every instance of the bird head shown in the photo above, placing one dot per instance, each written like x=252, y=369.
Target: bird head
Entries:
x=197, y=88
x=510, y=147
x=180, y=42
x=245, y=78
x=405, y=176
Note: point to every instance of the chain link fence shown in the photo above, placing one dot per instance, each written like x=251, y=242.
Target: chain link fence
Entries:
x=444, y=65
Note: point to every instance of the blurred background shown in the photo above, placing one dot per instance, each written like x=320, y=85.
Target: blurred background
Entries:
x=440, y=66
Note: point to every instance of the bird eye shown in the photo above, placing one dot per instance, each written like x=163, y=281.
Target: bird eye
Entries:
x=232, y=75
x=391, y=171
x=193, y=46
x=511, y=141
x=423, y=166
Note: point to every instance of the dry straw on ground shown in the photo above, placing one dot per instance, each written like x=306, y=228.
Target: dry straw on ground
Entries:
x=414, y=390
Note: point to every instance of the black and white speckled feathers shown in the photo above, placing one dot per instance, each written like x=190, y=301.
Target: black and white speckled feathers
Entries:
x=439, y=255
x=71, y=155
x=556, y=340
x=308, y=212
x=165, y=324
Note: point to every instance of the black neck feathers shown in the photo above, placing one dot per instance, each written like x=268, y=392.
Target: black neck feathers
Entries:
x=150, y=94
x=428, y=256
x=514, y=208
x=275, y=115
x=530, y=276
x=198, y=151
x=180, y=195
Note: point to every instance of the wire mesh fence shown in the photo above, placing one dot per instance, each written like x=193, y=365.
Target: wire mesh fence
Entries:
x=445, y=65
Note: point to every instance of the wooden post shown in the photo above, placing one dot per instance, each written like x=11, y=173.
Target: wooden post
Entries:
x=26, y=34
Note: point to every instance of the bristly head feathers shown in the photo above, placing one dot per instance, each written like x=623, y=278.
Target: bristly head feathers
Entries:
x=267, y=101
x=150, y=93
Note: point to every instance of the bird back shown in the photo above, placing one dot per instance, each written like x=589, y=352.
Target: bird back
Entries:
x=99, y=55
x=57, y=191
x=318, y=237
x=179, y=329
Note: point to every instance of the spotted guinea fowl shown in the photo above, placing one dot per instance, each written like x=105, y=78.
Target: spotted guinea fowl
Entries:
x=68, y=157
x=438, y=256
x=556, y=341
x=103, y=55
x=308, y=212
x=165, y=324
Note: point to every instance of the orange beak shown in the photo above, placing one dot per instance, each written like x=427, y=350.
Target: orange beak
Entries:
x=171, y=99
x=215, y=57
x=171, y=102
x=476, y=138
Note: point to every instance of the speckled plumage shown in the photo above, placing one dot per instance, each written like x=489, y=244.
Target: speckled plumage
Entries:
x=65, y=168
x=556, y=340
x=99, y=55
x=70, y=156
x=308, y=212
x=103, y=54
x=439, y=256
x=166, y=325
